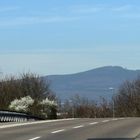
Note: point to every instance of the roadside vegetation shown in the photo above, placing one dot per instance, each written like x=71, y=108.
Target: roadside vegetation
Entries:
x=125, y=103
x=30, y=94
x=127, y=100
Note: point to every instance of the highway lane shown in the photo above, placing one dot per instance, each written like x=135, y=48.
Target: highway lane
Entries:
x=77, y=129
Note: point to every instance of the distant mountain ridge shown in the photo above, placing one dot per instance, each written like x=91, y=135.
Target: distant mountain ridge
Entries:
x=93, y=83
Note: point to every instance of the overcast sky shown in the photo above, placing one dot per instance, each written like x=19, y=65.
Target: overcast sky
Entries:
x=61, y=36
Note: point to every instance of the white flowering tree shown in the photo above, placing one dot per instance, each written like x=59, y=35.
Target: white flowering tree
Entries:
x=45, y=108
x=49, y=108
x=48, y=102
x=21, y=105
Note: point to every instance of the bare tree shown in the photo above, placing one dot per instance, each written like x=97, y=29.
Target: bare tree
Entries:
x=28, y=84
x=127, y=101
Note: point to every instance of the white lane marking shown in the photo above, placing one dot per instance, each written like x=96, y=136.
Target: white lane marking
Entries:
x=35, y=138
x=121, y=118
x=93, y=123
x=105, y=121
x=36, y=122
x=58, y=131
x=114, y=119
x=78, y=126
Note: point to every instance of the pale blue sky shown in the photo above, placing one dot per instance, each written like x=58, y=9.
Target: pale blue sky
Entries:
x=59, y=36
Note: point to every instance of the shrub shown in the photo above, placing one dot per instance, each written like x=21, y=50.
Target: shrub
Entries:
x=21, y=105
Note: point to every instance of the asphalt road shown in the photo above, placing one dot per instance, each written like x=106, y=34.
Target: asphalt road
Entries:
x=77, y=129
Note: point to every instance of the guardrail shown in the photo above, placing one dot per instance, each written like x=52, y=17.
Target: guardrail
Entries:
x=9, y=116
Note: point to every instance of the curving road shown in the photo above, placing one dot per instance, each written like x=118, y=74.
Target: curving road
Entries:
x=74, y=129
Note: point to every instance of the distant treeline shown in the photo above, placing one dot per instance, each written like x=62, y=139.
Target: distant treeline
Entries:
x=124, y=103
x=30, y=94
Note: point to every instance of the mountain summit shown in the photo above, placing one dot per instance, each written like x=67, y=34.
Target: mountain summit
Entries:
x=93, y=84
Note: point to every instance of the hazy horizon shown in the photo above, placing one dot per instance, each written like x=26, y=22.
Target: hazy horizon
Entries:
x=64, y=37
x=86, y=70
